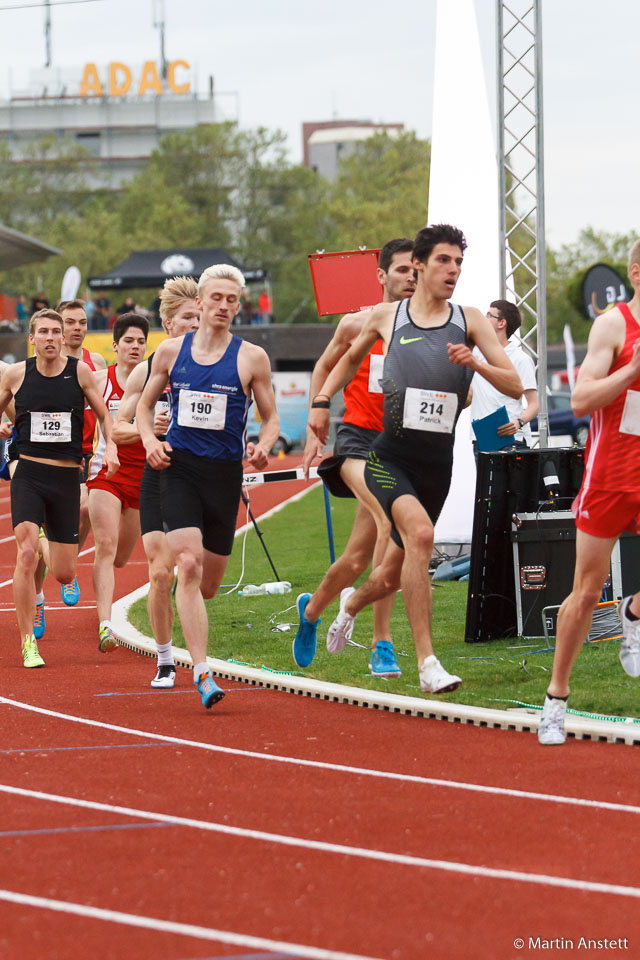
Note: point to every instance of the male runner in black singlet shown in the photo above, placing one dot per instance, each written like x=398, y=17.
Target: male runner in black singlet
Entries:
x=50, y=393
x=427, y=371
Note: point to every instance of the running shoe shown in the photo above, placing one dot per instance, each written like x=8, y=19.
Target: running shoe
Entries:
x=30, y=653
x=108, y=639
x=383, y=661
x=435, y=679
x=304, y=642
x=70, y=592
x=165, y=677
x=551, y=726
x=630, y=646
x=208, y=690
x=39, y=623
x=341, y=629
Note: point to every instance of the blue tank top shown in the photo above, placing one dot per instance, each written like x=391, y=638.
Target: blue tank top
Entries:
x=208, y=405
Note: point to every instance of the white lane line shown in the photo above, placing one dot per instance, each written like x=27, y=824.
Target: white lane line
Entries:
x=184, y=929
x=340, y=849
x=337, y=767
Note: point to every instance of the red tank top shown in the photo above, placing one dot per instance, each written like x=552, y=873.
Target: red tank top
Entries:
x=132, y=456
x=612, y=457
x=363, y=396
x=89, y=415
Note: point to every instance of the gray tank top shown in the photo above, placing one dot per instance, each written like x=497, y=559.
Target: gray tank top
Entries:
x=417, y=358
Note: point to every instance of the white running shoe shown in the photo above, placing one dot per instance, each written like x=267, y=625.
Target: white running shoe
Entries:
x=551, y=726
x=435, y=679
x=630, y=646
x=165, y=677
x=341, y=629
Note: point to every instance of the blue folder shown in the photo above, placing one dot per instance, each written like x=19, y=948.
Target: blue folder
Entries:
x=486, y=431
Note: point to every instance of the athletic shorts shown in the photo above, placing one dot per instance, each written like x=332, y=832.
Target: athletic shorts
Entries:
x=47, y=496
x=353, y=441
x=126, y=490
x=388, y=480
x=150, y=501
x=203, y=493
x=603, y=513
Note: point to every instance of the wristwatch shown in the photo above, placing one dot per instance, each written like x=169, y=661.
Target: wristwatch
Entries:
x=521, y=422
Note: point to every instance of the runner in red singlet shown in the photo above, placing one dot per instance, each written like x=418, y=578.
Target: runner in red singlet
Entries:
x=114, y=501
x=344, y=472
x=608, y=387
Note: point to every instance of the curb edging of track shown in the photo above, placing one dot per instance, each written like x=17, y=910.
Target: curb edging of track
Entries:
x=518, y=719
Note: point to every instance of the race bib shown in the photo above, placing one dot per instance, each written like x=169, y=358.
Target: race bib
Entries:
x=429, y=410
x=375, y=372
x=162, y=406
x=51, y=427
x=630, y=420
x=113, y=406
x=207, y=411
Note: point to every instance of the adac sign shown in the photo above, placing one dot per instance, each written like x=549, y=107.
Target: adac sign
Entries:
x=120, y=80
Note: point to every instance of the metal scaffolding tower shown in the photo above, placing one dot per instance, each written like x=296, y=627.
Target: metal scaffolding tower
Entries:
x=521, y=177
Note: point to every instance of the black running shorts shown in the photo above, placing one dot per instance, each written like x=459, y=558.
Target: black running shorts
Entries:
x=47, y=496
x=353, y=441
x=202, y=493
x=388, y=480
x=150, y=501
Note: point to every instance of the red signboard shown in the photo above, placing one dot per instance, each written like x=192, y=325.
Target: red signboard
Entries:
x=346, y=281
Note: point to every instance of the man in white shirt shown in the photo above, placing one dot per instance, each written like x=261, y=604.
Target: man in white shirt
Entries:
x=505, y=318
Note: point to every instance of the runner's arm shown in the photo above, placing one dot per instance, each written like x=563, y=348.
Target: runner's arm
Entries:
x=157, y=451
x=89, y=383
x=595, y=386
x=98, y=361
x=258, y=453
x=498, y=370
x=124, y=429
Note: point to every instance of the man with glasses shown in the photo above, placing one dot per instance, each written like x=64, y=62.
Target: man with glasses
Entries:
x=505, y=318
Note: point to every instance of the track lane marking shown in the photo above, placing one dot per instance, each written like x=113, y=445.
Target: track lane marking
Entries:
x=184, y=929
x=398, y=859
x=337, y=767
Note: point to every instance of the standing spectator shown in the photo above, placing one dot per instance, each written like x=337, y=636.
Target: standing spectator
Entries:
x=101, y=312
x=39, y=302
x=21, y=311
x=264, y=307
x=245, y=309
x=154, y=310
x=128, y=306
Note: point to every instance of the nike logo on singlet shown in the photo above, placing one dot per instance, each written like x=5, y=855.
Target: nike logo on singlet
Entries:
x=409, y=340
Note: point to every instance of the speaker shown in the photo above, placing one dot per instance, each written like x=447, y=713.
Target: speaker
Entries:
x=510, y=482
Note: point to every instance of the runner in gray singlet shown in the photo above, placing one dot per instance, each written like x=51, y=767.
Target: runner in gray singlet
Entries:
x=426, y=377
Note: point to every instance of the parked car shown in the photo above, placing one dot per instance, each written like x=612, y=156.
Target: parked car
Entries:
x=562, y=419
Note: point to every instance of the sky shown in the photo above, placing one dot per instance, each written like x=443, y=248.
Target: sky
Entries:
x=278, y=63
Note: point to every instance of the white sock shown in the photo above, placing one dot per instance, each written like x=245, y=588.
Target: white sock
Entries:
x=199, y=669
x=165, y=654
x=106, y=623
x=40, y=597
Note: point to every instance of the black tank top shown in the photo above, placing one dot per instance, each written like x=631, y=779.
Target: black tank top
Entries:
x=50, y=413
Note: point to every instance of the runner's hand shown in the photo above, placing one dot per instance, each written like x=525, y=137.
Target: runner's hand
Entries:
x=111, y=459
x=161, y=423
x=319, y=422
x=158, y=454
x=312, y=449
x=6, y=429
x=256, y=456
x=459, y=353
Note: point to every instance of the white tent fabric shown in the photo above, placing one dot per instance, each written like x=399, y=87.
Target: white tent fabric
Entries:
x=463, y=190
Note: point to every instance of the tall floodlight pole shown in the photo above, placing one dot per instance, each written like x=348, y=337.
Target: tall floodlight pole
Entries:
x=158, y=22
x=521, y=177
x=47, y=31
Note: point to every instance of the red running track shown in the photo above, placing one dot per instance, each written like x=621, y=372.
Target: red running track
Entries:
x=172, y=833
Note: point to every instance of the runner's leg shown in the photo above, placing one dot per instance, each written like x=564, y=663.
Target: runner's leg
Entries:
x=105, y=510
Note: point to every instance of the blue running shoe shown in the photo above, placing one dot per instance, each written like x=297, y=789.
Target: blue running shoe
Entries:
x=383, y=661
x=304, y=642
x=70, y=592
x=39, y=624
x=208, y=690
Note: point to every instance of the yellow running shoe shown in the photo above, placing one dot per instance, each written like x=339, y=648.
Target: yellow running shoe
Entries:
x=30, y=654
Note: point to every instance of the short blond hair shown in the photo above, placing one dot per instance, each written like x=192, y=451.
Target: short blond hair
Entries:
x=46, y=314
x=174, y=293
x=220, y=271
x=634, y=255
